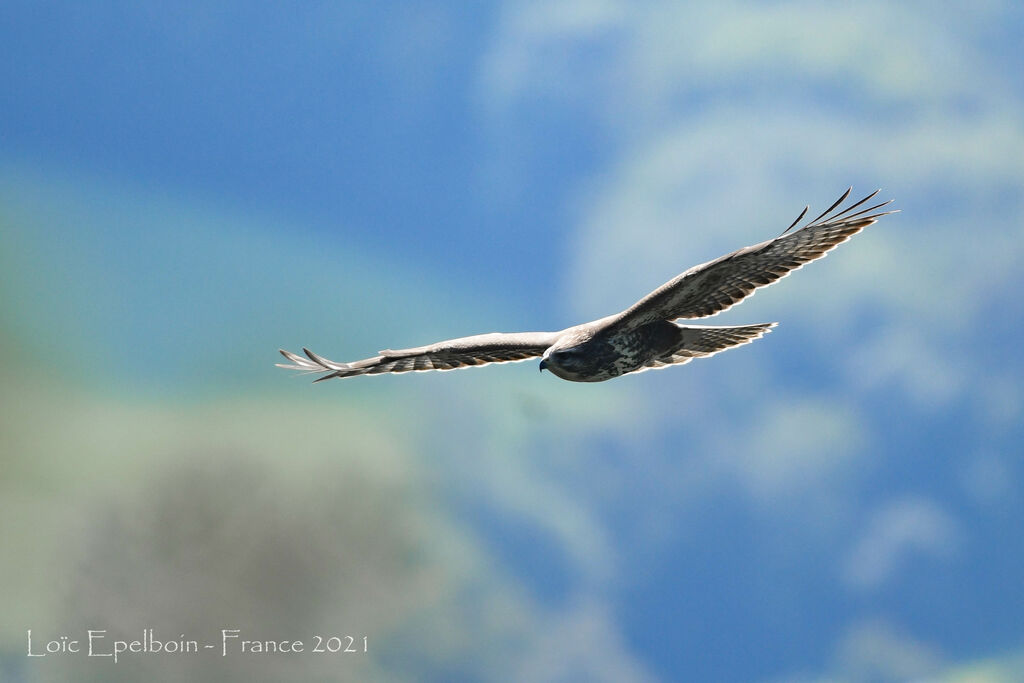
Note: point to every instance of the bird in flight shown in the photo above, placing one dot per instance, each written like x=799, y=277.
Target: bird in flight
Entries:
x=646, y=335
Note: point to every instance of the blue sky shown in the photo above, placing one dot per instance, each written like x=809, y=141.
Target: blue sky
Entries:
x=184, y=190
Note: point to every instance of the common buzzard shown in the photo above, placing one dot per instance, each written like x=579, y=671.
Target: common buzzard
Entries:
x=644, y=336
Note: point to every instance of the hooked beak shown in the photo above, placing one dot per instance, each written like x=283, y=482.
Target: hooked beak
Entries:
x=543, y=364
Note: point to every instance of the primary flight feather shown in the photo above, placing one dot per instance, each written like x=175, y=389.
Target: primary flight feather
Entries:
x=645, y=336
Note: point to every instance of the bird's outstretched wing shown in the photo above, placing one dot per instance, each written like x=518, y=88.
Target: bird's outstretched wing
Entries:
x=720, y=284
x=465, y=352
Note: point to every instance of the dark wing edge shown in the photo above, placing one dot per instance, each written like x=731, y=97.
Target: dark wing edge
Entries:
x=718, y=285
x=465, y=352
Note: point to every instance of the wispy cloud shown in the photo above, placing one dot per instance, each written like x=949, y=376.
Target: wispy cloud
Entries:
x=723, y=120
x=715, y=125
x=218, y=481
x=897, y=532
x=878, y=650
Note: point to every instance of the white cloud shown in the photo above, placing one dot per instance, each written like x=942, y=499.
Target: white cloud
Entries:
x=722, y=120
x=877, y=650
x=896, y=532
x=660, y=50
x=905, y=357
x=581, y=643
x=347, y=467
x=295, y=515
x=747, y=149
x=793, y=447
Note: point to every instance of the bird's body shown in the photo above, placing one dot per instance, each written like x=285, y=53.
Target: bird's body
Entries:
x=644, y=336
x=605, y=352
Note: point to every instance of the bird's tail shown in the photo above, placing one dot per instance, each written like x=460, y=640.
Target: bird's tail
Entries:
x=698, y=341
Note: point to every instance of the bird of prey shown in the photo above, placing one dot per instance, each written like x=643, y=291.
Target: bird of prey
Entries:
x=646, y=335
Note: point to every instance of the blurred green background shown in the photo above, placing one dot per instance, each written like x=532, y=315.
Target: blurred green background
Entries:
x=186, y=188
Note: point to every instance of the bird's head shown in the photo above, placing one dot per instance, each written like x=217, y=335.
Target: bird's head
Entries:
x=568, y=362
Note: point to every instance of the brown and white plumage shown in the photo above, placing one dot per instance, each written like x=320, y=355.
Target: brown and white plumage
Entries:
x=466, y=352
x=644, y=336
x=720, y=284
x=701, y=342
